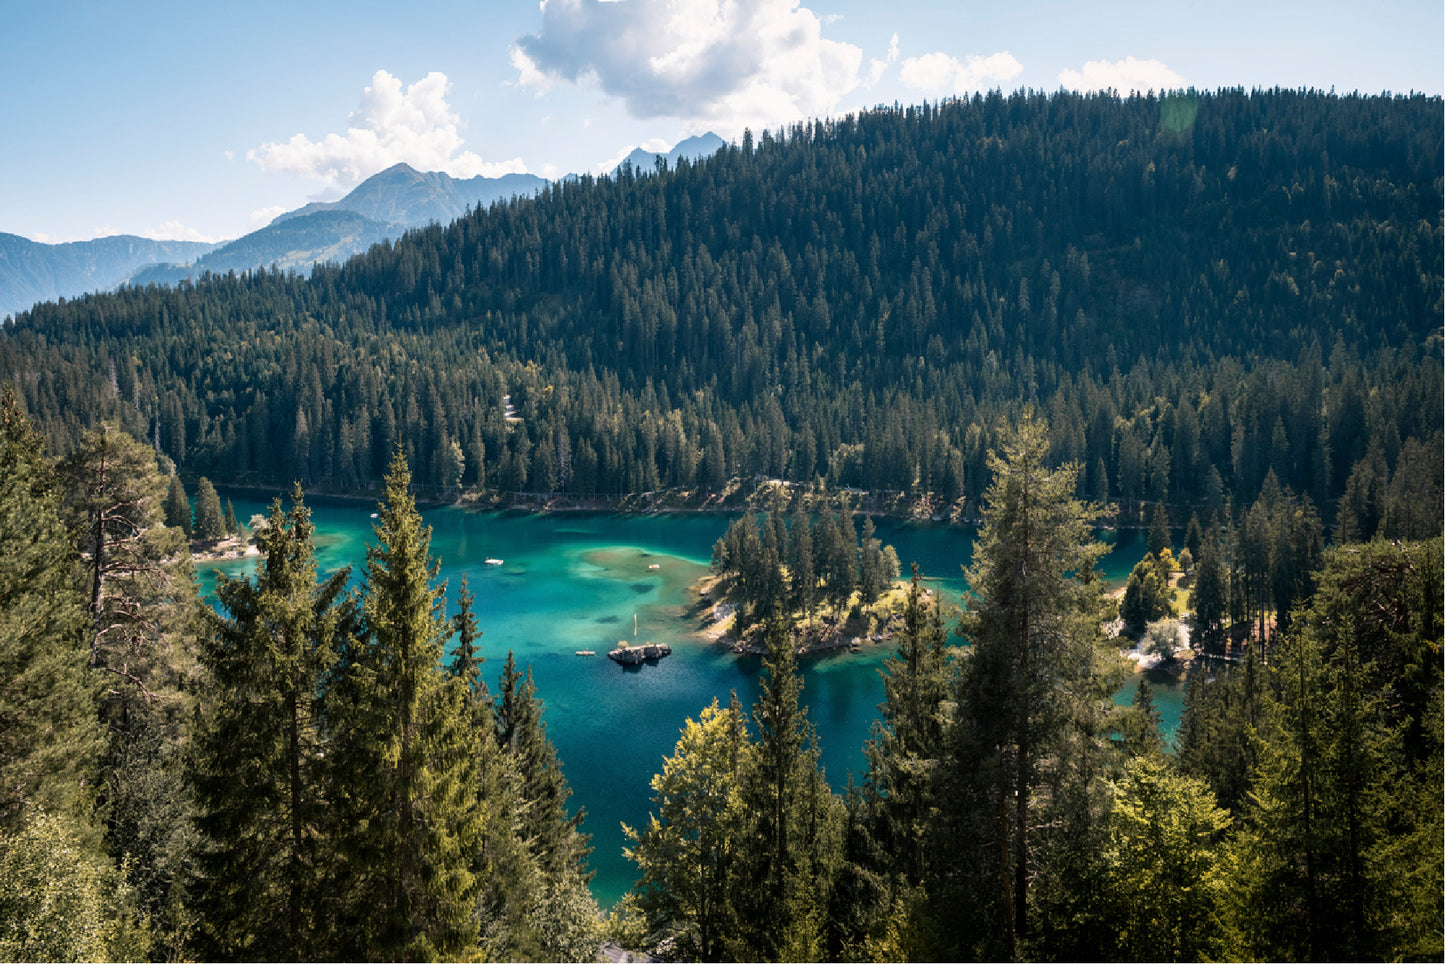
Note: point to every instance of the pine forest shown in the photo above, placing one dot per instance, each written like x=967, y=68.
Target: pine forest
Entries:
x=1036, y=316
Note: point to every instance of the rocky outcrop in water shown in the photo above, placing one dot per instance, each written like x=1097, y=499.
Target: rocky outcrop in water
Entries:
x=636, y=655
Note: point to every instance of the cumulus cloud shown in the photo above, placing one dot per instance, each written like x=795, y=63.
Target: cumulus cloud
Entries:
x=176, y=231
x=877, y=67
x=1124, y=76
x=941, y=74
x=392, y=125
x=723, y=64
x=263, y=216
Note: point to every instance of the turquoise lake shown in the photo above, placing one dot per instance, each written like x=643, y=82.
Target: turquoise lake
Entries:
x=576, y=581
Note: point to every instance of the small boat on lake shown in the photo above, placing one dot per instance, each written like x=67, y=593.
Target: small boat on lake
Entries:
x=586, y=652
x=654, y=566
x=493, y=562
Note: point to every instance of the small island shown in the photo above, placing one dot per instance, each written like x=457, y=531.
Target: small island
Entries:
x=628, y=655
x=835, y=587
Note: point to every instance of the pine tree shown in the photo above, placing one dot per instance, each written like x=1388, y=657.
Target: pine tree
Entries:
x=178, y=506
x=907, y=743
x=233, y=528
x=50, y=741
x=259, y=766
x=143, y=612
x=404, y=748
x=795, y=833
x=1208, y=600
x=1031, y=692
x=1159, y=531
x=210, y=519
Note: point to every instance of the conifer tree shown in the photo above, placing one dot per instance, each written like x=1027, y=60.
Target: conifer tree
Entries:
x=259, y=766
x=907, y=743
x=796, y=828
x=143, y=613
x=210, y=519
x=50, y=740
x=404, y=748
x=178, y=506
x=1031, y=692
x=1159, y=531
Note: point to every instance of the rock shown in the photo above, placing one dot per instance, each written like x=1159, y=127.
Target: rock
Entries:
x=636, y=655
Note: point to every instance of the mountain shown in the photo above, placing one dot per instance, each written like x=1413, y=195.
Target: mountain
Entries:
x=693, y=148
x=32, y=272
x=404, y=196
x=289, y=244
x=380, y=208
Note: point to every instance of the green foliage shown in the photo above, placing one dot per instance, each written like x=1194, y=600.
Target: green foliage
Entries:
x=1164, y=891
x=210, y=520
x=690, y=851
x=860, y=300
x=403, y=747
x=1025, y=769
x=1146, y=598
x=259, y=765
x=178, y=506
x=50, y=741
x=61, y=900
x=907, y=745
x=1139, y=725
x=142, y=608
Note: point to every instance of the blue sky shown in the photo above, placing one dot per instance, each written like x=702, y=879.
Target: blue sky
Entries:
x=204, y=120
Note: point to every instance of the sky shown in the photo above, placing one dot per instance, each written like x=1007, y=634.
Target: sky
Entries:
x=202, y=121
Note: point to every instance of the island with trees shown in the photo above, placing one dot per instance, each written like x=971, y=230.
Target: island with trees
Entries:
x=1216, y=312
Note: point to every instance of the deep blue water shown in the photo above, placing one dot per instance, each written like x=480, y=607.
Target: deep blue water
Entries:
x=576, y=581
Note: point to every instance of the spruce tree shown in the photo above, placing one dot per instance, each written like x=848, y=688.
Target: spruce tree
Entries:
x=907, y=743
x=404, y=747
x=259, y=764
x=210, y=519
x=178, y=506
x=1030, y=694
x=50, y=740
x=793, y=857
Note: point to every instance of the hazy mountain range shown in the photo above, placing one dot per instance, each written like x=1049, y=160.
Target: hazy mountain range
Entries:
x=382, y=207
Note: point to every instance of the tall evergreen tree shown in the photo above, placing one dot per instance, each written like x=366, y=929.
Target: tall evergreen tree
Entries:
x=1031, y=692
x=50, y=741
x=178, y=506
x=259, y=763
x=907, y=745
x=404, y=747
x=143, y=605
x=210, y=519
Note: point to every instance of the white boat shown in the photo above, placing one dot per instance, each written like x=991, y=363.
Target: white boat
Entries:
x=494, y=562
x=654, y=566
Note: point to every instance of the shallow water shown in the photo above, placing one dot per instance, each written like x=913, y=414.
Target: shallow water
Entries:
x=577, y=581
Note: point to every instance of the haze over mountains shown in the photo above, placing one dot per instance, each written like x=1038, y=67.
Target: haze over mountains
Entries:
x=380, y=208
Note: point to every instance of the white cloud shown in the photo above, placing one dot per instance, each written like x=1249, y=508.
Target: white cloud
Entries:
x=176, y=231
x=876, y=67
x=719, y=64
x=263, y=216
x=392, y=125
x=939, y=73
x=1123, y=76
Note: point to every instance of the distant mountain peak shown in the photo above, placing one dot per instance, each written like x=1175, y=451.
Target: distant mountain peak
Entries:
x=693, y=148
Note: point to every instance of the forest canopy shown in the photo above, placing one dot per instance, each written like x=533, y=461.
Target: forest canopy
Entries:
x=865, y=300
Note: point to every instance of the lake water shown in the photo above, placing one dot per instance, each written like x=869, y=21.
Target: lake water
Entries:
x=576, y=581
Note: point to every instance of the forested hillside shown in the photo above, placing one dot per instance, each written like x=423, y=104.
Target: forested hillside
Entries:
x=1196, y=291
